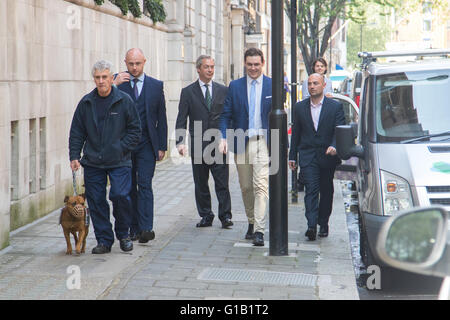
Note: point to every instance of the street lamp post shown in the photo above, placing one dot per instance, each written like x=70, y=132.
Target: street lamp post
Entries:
x=294, y=195
x=278, y=210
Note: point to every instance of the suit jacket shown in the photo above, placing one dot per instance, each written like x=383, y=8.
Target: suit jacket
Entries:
x=235, y=113
x=193, y=105
x=155, y=107
x=310, y=144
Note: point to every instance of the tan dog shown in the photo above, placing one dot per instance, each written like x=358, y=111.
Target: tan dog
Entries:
x=73, y=221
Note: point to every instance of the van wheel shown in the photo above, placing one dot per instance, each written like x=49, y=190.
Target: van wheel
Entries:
x=364, y=248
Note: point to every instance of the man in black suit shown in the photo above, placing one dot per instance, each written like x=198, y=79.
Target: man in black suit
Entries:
x=202, y=102
x=313, y=137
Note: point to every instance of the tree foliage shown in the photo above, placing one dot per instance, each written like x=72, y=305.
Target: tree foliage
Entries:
x=153, y=8
x=315, y=19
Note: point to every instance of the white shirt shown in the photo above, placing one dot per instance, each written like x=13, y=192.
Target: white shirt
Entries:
x=258, y=94
x=202, y=86
x=315, y=112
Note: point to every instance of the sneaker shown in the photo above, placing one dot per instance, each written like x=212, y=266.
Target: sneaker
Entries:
x=126, y=244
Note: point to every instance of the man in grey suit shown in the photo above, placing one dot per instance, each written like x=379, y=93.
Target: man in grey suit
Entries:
x=202, y=102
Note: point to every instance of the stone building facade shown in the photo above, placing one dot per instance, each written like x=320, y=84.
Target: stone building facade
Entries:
x=47, y=49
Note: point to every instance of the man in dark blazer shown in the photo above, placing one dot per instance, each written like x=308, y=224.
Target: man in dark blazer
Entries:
x=148, y=94
x=202, y=102
x=246, y=114
x=313, y=137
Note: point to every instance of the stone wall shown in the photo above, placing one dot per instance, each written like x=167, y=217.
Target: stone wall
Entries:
x=47, y=48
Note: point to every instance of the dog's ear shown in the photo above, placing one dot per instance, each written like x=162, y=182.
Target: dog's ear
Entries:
x=83, y=195
x=66, y=198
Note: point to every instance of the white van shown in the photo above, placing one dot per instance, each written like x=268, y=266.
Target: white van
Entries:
x=403, y=139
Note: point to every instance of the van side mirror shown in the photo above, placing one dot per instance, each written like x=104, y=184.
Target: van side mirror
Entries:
x=345, y=142
x=416, y=241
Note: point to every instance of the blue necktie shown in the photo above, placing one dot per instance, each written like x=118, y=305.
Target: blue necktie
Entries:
x=136, y=91
x=252, y=107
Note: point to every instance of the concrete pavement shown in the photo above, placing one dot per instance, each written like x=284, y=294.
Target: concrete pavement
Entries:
x=183, y=262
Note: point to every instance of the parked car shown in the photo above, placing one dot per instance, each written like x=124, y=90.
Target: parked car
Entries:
x=355, y=91
x=416, y=241
x=403, y=140
x=346, y=87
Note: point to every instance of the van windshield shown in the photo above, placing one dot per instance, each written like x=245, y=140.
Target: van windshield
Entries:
x=412, y=104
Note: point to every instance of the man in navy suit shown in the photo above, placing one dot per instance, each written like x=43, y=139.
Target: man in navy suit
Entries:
x=148, y=94
x=246, y=112
x=313, y=137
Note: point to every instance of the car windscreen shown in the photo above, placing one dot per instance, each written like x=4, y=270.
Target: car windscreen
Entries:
x=412, y=104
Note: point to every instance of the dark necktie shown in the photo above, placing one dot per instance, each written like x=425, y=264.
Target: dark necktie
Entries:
x=208, y=97
x=136, y=91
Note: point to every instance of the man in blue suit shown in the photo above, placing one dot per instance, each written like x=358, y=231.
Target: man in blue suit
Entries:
x=148, y=94
x=247, y=108
x=313, y=137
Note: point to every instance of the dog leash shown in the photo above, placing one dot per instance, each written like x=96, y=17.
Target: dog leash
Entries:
x=74, y=181
x=75, y=193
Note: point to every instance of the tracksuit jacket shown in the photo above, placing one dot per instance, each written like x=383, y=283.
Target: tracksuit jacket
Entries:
x=121, y=132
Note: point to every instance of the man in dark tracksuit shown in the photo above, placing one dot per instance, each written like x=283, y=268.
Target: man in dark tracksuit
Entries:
x=106, y=126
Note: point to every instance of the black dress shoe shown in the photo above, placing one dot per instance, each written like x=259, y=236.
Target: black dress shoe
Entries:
x=146, y=236
x=258, y=239
x=323, y=231
x=101, y=249
x=249, y=235
x=205, y=222
x=311, y=233
x=227, y=223
x=126, y=244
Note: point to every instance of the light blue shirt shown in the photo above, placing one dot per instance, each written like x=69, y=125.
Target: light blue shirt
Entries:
x=255, y=128
x=140, y=83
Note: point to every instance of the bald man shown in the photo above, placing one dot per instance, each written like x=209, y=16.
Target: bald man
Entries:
x=313, y=137
x=148, y=94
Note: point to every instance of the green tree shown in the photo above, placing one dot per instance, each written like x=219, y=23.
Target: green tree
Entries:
x=316, y=18
x=371, y=35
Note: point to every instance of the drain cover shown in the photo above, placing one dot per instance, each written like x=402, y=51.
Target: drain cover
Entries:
x=267, y=277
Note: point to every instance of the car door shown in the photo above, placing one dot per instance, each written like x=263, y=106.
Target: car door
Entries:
x=347, y=169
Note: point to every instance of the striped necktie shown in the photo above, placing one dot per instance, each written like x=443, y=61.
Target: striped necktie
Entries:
x=208, y=97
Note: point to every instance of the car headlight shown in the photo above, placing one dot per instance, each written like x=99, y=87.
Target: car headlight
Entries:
x=396, y=193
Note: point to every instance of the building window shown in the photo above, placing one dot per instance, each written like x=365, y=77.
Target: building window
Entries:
x=427, y=25
x=426, y=8
x=42, y=152
x=14, y=160
x=33, y=158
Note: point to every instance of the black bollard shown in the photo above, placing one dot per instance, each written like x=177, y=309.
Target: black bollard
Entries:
x=278, y=190
x=294, y=185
